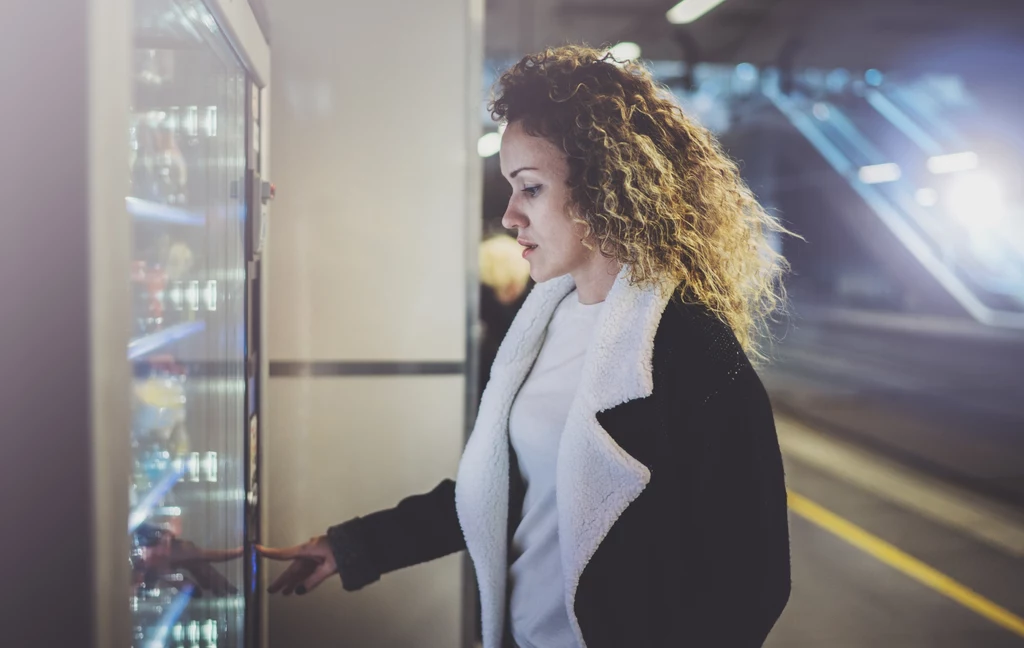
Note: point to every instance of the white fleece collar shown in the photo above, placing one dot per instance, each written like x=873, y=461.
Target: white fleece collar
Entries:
x=596, y=479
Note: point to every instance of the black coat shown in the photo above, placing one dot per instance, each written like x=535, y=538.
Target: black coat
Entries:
x=671, y=491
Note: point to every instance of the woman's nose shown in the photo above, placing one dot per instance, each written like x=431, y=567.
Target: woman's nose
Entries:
x=513, y=218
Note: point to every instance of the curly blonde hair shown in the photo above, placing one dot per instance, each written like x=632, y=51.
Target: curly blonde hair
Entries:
x=649, y=187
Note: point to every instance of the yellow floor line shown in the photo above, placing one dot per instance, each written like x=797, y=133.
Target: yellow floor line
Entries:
x=905, y=563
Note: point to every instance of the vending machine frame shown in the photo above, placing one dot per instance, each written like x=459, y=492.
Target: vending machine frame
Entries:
x=247, y=39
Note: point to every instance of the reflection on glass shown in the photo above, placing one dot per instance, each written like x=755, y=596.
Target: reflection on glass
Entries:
x=186, y=161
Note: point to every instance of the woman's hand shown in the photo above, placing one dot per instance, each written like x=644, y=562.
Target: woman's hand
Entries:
x=165, y=556
x=312, y=564
x=187, y=556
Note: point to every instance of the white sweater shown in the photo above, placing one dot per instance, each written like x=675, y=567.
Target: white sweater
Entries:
x=537, y=607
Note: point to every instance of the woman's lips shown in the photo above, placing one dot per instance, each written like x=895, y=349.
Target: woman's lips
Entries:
x=530, y=247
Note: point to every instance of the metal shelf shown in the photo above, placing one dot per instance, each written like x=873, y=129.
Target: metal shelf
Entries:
x=143, y=346
x=148, y=210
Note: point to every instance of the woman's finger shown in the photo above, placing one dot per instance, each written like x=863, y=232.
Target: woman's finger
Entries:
x=219, y=555
x=300, y=577
x=289, y=553
x=322, y=573
x=187, y=553
x=288, y=575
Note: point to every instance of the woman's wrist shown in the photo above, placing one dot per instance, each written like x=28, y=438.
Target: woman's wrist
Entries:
x=351, y=555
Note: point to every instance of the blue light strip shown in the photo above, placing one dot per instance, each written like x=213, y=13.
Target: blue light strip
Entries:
x=152, y=211
x=916, y=103
x=856, y=139
x=170, y=617
x=145, y=507
x=141, y=347
x=903, y=122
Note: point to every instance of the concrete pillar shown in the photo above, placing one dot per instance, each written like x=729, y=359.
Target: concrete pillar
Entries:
x=369, y=268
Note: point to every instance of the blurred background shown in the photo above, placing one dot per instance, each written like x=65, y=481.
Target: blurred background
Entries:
x=304, y=259
x=887, y=135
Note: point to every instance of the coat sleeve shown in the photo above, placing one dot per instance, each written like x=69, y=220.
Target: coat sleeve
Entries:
x=741, y=518
x=419, y=529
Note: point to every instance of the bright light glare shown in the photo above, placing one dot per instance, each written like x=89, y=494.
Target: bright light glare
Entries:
x=625, y=52
x=489, y=144
x=876, y=173
x=689, y=10
x=926, y=197
x=953, y=162
x=746, y=72
x=976, y=200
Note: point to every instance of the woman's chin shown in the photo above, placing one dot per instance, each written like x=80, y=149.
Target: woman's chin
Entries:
x=538, y=274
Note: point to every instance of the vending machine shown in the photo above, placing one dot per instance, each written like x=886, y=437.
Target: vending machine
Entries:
x=197, y=202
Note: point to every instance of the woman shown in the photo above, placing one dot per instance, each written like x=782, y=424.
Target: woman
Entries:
x=623, y=483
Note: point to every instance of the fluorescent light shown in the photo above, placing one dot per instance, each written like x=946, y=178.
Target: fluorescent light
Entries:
x=953, y=162
x=877, y=173
x=488, y=144
x=626, y=51
x=689, y=10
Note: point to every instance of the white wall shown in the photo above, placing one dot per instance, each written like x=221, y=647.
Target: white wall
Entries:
x=375, y=119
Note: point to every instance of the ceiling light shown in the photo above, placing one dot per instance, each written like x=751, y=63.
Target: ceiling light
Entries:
x=689, y=10
x=488, y=144
x=877, y=173
x=625, y=52
x=953, y=162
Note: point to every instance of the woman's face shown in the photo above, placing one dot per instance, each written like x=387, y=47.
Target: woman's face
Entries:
x=538, y=210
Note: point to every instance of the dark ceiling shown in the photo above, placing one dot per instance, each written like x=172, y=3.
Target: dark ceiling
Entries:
x=857, y=34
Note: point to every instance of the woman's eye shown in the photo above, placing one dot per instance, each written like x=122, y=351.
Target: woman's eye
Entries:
x=532, y=190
